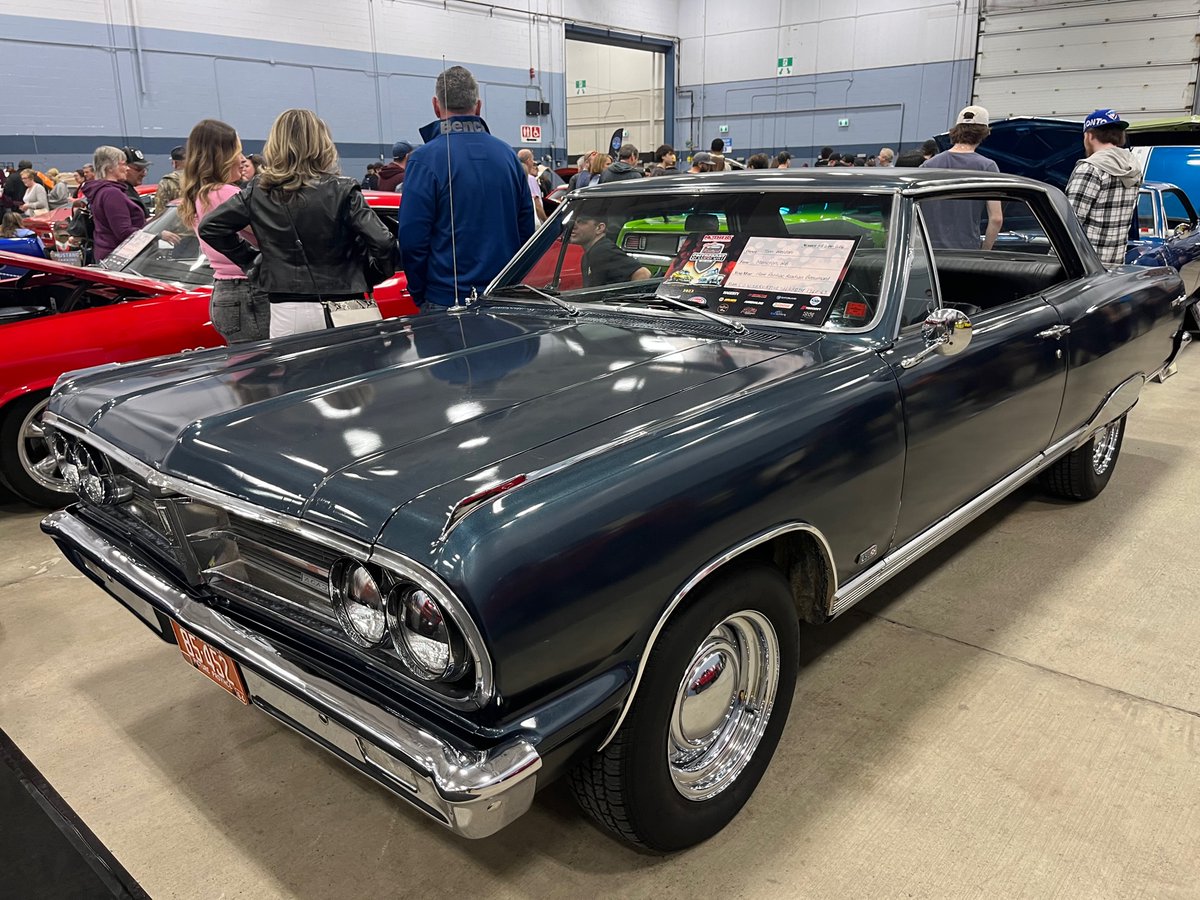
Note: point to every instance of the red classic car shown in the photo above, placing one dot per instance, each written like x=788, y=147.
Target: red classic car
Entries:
x=149, y=298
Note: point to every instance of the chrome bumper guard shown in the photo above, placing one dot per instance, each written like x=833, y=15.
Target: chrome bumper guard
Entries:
x=474, y=793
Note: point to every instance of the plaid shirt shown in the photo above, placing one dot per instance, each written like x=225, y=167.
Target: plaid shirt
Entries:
x=1104, y=205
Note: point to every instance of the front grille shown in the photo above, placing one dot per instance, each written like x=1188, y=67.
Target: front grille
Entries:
x=268, y=572
x=234, y=556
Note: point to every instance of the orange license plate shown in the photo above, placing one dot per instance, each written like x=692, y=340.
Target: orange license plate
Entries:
x=218, y=666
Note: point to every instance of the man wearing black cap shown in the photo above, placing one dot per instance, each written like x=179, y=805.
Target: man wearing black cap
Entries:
x=1103, y=189
x=169, y=187
x=136, y=165
x=391, y=176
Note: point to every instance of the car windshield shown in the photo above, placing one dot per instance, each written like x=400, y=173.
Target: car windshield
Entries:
x=167, y=250
x=801, y=257
x=164, y=249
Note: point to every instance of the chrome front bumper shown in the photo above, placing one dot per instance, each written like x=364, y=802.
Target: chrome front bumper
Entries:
x=475, y=793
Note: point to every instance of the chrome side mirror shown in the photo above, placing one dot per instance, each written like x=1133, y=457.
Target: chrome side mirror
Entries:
x=1183, y=228
x=947, y=332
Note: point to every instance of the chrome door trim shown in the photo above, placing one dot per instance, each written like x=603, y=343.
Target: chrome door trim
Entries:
x=1119, y=402
x=697, y=577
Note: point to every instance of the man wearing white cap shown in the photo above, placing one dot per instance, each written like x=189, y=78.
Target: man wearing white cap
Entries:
x=954, y=224
x=1103, y=189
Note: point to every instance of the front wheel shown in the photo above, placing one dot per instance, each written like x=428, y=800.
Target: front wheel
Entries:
x=27, y=466
x=1084, y=473
x=712, y=704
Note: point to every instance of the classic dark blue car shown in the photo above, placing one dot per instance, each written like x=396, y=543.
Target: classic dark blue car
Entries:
x=572, y=528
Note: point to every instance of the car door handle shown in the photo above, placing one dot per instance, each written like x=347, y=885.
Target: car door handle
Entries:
x=1055, y=333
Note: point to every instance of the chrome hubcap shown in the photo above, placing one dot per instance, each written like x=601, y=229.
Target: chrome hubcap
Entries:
x=1104, y=447
x=723, y=705
x=33, y=450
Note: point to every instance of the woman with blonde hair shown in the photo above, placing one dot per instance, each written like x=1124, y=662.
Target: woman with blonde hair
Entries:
x=315, y=231
x=212, y=167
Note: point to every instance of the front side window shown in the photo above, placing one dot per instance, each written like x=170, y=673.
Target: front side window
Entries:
x=813, y=259
x=974, y=277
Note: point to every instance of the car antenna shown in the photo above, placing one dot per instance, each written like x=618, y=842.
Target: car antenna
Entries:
x=457, y=306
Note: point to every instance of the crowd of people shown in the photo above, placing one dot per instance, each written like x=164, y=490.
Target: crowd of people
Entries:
x=290, y=239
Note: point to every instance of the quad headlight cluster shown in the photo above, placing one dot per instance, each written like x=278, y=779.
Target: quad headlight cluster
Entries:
x=86, y=471
x=373, y=607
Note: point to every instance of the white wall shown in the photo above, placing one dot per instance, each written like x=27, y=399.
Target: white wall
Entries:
x=731, y=41
x=624, y=88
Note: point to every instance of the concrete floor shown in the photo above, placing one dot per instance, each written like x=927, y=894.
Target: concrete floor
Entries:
x=1014, y=716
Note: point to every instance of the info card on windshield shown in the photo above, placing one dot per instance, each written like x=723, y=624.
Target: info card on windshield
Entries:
x=791, y=279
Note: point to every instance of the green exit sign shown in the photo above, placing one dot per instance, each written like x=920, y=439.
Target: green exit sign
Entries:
x=783, y=65
x=843, y=123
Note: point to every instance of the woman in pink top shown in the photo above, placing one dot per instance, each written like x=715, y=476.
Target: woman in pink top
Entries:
x=212, y=167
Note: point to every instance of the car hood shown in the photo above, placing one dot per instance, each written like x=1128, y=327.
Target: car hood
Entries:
x=91, y=273
x=1040, y=148
x=345, y=430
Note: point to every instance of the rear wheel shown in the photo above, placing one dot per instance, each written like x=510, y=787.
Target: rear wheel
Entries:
x=706, y=720
x=27, y=466
x=1084, y=473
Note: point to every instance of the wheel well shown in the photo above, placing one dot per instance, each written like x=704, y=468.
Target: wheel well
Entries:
x=802, y=558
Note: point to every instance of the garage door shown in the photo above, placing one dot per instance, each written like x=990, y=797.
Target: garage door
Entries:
x=1069, y=58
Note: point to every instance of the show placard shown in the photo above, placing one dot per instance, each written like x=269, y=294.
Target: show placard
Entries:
x=793, y=279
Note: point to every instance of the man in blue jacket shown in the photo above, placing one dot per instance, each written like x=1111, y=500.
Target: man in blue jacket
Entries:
x=493, y=209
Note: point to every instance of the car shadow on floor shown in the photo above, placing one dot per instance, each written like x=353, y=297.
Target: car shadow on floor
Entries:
x=276, y=796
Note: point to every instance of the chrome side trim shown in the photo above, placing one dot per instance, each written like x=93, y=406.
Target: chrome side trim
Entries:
x=473, y=792
x=484, y=678
x=700, y=574
x=1119, y=402
x=243, y=508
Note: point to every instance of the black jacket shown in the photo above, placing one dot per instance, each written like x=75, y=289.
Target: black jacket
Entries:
x=332, y=221
x=14, y=192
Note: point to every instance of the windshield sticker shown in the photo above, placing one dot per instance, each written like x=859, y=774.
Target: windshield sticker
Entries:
x=793, y=279
x=129, y=248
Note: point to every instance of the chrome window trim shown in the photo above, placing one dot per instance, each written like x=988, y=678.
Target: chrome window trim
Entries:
x=697, y=577
x=484, y=677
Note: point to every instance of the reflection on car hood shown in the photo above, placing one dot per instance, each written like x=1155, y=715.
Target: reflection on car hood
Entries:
x=345, y=430
x=1045, y=149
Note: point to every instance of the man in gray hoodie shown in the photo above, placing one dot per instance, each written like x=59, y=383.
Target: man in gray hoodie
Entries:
x=625, y=168
x=1103, y=189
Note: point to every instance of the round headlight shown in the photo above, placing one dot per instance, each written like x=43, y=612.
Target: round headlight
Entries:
x=358, y=602
x=424, y=636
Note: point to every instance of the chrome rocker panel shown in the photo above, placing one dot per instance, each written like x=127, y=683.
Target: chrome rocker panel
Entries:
x=473, y=793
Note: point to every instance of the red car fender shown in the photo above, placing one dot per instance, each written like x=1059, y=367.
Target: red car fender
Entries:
x=124, y=332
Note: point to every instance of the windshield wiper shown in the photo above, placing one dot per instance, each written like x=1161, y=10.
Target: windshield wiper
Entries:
x=544, y=293
x=648, y=297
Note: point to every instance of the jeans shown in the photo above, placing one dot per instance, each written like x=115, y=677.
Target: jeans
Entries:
x=239, y=312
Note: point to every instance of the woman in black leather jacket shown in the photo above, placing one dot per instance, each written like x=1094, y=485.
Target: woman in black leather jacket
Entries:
x=314, y=229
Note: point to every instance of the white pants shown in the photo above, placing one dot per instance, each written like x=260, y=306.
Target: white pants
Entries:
x=296, y=318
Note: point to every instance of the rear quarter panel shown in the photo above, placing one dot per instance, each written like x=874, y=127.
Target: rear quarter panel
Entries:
x=1123, y=324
